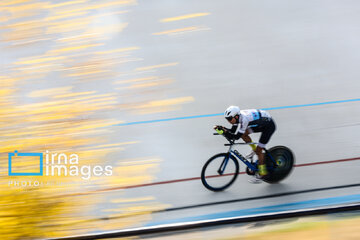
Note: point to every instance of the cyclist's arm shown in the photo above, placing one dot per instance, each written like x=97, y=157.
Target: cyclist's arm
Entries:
x=233, y=133
x=238, y=130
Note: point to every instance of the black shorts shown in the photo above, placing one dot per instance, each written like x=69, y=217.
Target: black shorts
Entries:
x=267, y=129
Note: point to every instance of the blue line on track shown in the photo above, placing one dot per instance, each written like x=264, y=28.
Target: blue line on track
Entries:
x=268, y=209
x=219, y=114
x=168, y=119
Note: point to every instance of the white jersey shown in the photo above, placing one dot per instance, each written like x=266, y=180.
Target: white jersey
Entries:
x=252, y=120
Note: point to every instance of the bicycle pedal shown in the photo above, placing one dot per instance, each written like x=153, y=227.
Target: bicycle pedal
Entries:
x=249, y=172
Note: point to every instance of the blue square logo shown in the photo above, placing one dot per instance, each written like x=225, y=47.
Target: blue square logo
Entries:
x=17, y=154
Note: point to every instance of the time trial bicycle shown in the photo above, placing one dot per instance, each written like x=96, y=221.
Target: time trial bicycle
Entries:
x=221, y=170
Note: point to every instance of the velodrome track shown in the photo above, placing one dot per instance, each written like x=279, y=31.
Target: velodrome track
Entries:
x=294, y=59
x=321, y=177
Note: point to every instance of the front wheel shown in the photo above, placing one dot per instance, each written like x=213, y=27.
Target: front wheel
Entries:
x=219, y=172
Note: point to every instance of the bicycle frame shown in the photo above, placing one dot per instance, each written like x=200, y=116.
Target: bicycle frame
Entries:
x=238, y=156
x=252, y=166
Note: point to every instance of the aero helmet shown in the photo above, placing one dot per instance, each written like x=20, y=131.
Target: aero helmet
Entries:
x=232, y=111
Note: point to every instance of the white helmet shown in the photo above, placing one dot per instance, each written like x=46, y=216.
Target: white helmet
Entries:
x=232, y=111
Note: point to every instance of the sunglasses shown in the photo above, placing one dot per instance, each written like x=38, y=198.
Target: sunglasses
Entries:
x=229, y=118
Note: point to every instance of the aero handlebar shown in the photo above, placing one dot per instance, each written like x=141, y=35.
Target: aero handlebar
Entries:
x=232, y=142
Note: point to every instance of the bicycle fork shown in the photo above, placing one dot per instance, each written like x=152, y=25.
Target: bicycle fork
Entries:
x=223, y=165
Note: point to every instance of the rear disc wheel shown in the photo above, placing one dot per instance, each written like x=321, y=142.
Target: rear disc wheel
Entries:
x=279, y=165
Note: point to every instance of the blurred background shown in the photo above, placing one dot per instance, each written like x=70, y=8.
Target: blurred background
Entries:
x=138, y=85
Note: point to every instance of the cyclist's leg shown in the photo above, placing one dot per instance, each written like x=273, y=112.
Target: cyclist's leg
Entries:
x=264, y=139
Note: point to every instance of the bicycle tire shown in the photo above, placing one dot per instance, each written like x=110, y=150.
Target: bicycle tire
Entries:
x=280, y=172
x=203, y=171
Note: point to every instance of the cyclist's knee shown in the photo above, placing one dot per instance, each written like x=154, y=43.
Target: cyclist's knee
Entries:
x=262, y=145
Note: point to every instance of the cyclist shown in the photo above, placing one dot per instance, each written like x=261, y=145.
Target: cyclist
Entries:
x=244, y=123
